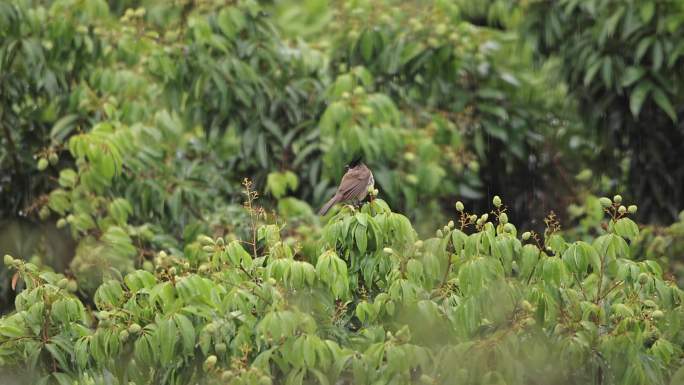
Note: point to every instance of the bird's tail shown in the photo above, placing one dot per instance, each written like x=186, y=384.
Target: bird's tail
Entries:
x=328, y=205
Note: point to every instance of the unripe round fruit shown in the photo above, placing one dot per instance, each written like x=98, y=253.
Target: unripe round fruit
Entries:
x=658, y=314
x=509, y=228
x=61, y=222
x=503, y=218
x=265, y=380
x=439, y=234
x=484, y=217
x=220, y=347
x=418, y=244
x=208, y=248
x=409, y=156
x=53, y=158
x=205, y=240
x=526, y=235
x=148, y=266
x=210, y=328
x=220, y=242
x=427, y=380
x=8, y=260
x=605, y=202
x=134, y=328
x=72, y=286
x=123, y=335
x=226, y=375
x=42, y=164
x=473, y=218
x=388, y=250
x=450, y=224
x=210, y=361
x=622, y=209
x=632, y=209
x=496, y=201
x=459, y=206
x=411, y=179
x=172, y=271
x=63, y=283
x=359, y=90
x=526, y=305
x=44, y=213
x=643, y=278
x=617, y=198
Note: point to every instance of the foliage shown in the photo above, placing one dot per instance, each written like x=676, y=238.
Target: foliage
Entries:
x=623, y=60
x=373, y=304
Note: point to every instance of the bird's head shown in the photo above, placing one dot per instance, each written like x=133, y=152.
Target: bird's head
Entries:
x=355, y=162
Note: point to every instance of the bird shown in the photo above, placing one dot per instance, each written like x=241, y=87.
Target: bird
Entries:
x=353, y=187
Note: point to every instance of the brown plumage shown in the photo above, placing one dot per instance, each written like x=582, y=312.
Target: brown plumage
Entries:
x=353, y=187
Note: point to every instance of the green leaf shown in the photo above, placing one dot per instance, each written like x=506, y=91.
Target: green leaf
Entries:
x=647, y=10
x=631, y=75
x=63, y=127
x=638, y=96
x=664, y=103
x=626, y=228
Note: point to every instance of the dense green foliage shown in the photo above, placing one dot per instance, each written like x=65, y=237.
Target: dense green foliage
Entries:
x=136, y=138
x=624, y=61
x=474, y=304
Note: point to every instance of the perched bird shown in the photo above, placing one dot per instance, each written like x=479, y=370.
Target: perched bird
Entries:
x=353, y=187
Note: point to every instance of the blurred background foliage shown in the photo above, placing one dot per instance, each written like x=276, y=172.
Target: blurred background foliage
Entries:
x=127, y=127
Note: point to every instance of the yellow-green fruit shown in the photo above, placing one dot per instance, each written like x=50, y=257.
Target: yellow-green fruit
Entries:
x=44, y=213
x=210, y=328
x=439, y=234
x=134, y=328
x=148, y=266
x=503, y=218
x=123, y=335
x=53, y=158
x=450, y=224
x=658, y=314
x=622, y=209
x=459, y=206
x=412, y=179
x=265, y=380
x=643, y=278
x=617, y=199
x=61, y=223
x=605, y=202
x=484, y=217
x=526, y=235
x=208, y=248
x=509, y=228
x=42, y=164
x=226, y=375
x=72, y=286
x=497, y=201
x=388, y=250
x=8, y=259
x=210, y=362
x=441, y=29
x=632, y=209
x=63, y=283
x=427, y=380
x=220, y=347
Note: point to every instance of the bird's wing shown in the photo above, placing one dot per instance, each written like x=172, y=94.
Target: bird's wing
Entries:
x=353, y=183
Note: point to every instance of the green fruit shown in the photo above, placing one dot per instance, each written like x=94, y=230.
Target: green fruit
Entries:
x=496, y=201
x=617, y=198
x=8, y=260
x=220, y=347
x=63, y=283
x=123, y=335
x=472, y=218
x=643, y=278
x=509, y=228
x=526, y=235
x=632, y=209
x=205, y=240
x=622, y=209
x=42, y=164
x=459, y=206
x=208, y=248
x=503, y=218
x=484, y=217
x=605, y=202
x=72, y=286
x=265, y=380
x=388, y=250
x=53, y=158
x=450, y=224
x=134, y=328
x=210, y=328
x=148, y=266
x=44, y=213
x=226, y=375
x=61, y=223
x=439, y=234
x=657, y=314
x=210, y=361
